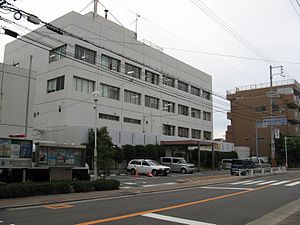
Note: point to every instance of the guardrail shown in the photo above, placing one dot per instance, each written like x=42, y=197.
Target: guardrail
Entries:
x=262, y=171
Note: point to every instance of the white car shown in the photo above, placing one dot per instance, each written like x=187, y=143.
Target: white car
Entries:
x=146, y=166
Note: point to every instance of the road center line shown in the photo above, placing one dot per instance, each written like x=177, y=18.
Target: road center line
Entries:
x=170, y=207
x=175, y=219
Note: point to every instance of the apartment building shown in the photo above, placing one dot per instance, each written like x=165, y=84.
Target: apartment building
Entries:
x=251, y=106
x=145, y=95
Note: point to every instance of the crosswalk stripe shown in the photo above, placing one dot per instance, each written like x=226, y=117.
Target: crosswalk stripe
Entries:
x=268, y=182
x=281, y=182
x=292, y=184
x=241, y=182
x=253, y=182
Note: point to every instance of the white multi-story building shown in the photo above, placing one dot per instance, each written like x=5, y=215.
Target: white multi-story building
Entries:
x=146, y=95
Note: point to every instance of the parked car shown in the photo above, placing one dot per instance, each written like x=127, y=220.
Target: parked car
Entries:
x=243, y=165
x=178, y=164
x=225, y=164
x=146, y=166
x=260, y=162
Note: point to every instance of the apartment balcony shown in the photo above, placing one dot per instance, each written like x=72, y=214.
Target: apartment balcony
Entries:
x=293, y=115
x=292, y=101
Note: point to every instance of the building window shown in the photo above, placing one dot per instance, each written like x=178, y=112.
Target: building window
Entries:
x=56, y=84
x=133, y=71
x=57, y=53
x=195, y=91
x=168, y=81
x=196, y=134
x=85, y=54
x=183, y=86
x=183, y=132
x=168, y=106
x=151, y=102
x=261, y=109
x=152, y=78
x=108, y=91
x=206, y=95
x=168, y=130
x=196, y=113
x=206, y=116
x=108, y=117
x=183, y=110
x=275, y=108
x=207, y=135
x=130, y=120
x=110, y=63
x=83, y=85
x=132, y=97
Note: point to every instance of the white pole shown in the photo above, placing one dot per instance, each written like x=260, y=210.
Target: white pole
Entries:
x=95, y=147
x=27, y=101
x=95, y=9
x=286, y=157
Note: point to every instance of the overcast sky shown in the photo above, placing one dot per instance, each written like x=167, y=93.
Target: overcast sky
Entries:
x=269, y=28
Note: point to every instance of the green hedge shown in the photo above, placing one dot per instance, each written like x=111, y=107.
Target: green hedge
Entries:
x=144, y=152
x=14, y=190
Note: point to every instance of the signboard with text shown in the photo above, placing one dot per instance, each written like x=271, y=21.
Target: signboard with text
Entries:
x=274, y=121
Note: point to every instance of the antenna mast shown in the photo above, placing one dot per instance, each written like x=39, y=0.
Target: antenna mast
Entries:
x=95, y=9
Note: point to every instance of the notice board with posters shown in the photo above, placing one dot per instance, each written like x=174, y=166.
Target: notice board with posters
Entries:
x=15, y=148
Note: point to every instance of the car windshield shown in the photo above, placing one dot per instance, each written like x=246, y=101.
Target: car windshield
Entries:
x=182, y=161
x=153, y=163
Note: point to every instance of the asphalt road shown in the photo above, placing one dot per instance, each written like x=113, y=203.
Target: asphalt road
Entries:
x=232, y=203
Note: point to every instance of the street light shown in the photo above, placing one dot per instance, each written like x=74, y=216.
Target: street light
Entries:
x=96, y=96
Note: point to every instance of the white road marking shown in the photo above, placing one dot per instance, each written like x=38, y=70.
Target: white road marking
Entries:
x=268, y=182
x=1, y=221
x=254, y=182
x=154, y=185
x=281, y=182
x=226, y=188
x=175, y=219
x=241, y=182
x=292, y=184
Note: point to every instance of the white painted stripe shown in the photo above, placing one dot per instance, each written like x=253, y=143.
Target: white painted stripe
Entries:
x=281, y=182
x=292, y=184
x=225, y=188
x=268, y=182
x=1, y=221
x=241, y=182
x=125, y=187
x=254, y=182
x=176, y=219
x=129, y=183
x=154, y=185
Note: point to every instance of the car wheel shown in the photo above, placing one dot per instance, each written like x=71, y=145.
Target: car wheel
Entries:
x=154, y=172
x=132, y=172
x=183, y=171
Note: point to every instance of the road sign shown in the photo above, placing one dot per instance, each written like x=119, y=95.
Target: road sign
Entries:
x=274, y=121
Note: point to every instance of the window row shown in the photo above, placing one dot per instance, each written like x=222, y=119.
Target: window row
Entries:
x=169, y=130
x=108, y=91
x=114, y=64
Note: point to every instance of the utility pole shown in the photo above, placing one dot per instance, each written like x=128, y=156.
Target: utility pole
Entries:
x=28, y=97
x=271, y=110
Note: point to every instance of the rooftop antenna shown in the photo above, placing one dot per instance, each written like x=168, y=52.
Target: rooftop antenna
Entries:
x=95, y=9
x=136, y=22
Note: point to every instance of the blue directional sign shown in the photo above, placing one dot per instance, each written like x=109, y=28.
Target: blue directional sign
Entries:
x=274, y=121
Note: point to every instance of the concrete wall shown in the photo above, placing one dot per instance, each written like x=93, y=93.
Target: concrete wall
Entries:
x=13, y=100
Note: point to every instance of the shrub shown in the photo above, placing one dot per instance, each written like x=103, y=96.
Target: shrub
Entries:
x=106, y=184
x=83, y=186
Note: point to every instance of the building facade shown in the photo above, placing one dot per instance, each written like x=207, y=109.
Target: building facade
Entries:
x=15, y=100
x=251, y=107
x=145, y=95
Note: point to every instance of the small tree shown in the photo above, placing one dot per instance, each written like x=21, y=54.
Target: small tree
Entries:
x=105, y=148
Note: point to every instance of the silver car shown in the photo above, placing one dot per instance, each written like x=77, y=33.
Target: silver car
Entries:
x=146, y=166
x=178, y=164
